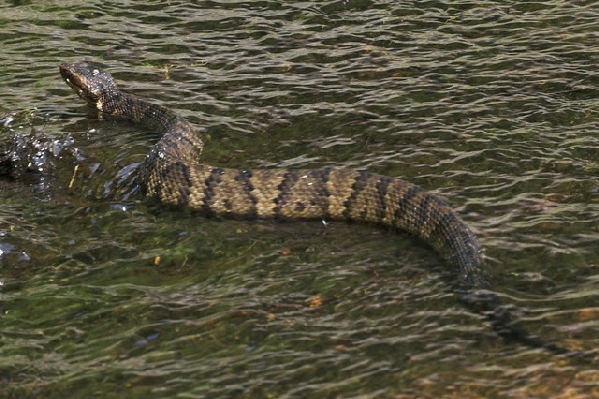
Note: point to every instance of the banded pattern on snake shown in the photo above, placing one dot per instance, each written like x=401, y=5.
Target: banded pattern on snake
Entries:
x=173, y=174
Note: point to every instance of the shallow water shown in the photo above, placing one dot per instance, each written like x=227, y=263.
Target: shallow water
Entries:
x=491, y=104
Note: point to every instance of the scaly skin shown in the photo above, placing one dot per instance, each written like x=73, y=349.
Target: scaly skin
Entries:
x=172, y=173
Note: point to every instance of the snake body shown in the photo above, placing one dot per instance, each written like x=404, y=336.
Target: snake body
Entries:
x=172, y=173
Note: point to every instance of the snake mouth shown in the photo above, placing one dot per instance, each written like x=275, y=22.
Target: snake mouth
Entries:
x=74, y=76
x=68, y=75
x=66, y=72
x=74, y=87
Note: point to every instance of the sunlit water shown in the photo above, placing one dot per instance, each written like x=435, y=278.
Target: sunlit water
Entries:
x=492, y=104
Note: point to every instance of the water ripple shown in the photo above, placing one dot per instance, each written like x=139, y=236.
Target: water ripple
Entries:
x=491, y=104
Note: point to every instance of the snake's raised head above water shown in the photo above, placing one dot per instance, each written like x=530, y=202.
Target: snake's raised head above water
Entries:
x=89, y=82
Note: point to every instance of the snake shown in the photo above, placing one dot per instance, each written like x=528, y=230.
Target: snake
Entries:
x=173, y=174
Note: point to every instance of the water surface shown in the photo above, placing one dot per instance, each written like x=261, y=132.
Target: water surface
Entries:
x=490, y=103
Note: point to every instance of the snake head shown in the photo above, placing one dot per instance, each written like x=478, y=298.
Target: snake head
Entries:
x=89, y=82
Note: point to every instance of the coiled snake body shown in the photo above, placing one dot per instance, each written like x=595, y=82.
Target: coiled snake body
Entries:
x=172, y=173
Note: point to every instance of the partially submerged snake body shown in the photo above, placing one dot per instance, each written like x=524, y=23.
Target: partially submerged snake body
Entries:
x=172, y=173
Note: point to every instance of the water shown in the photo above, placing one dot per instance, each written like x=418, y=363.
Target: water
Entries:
x=491, y=104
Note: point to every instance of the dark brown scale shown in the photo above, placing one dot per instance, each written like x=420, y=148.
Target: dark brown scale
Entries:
x=171, y=172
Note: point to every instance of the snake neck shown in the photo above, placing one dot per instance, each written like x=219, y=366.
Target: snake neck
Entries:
x=178, y=140
x=120, y=106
